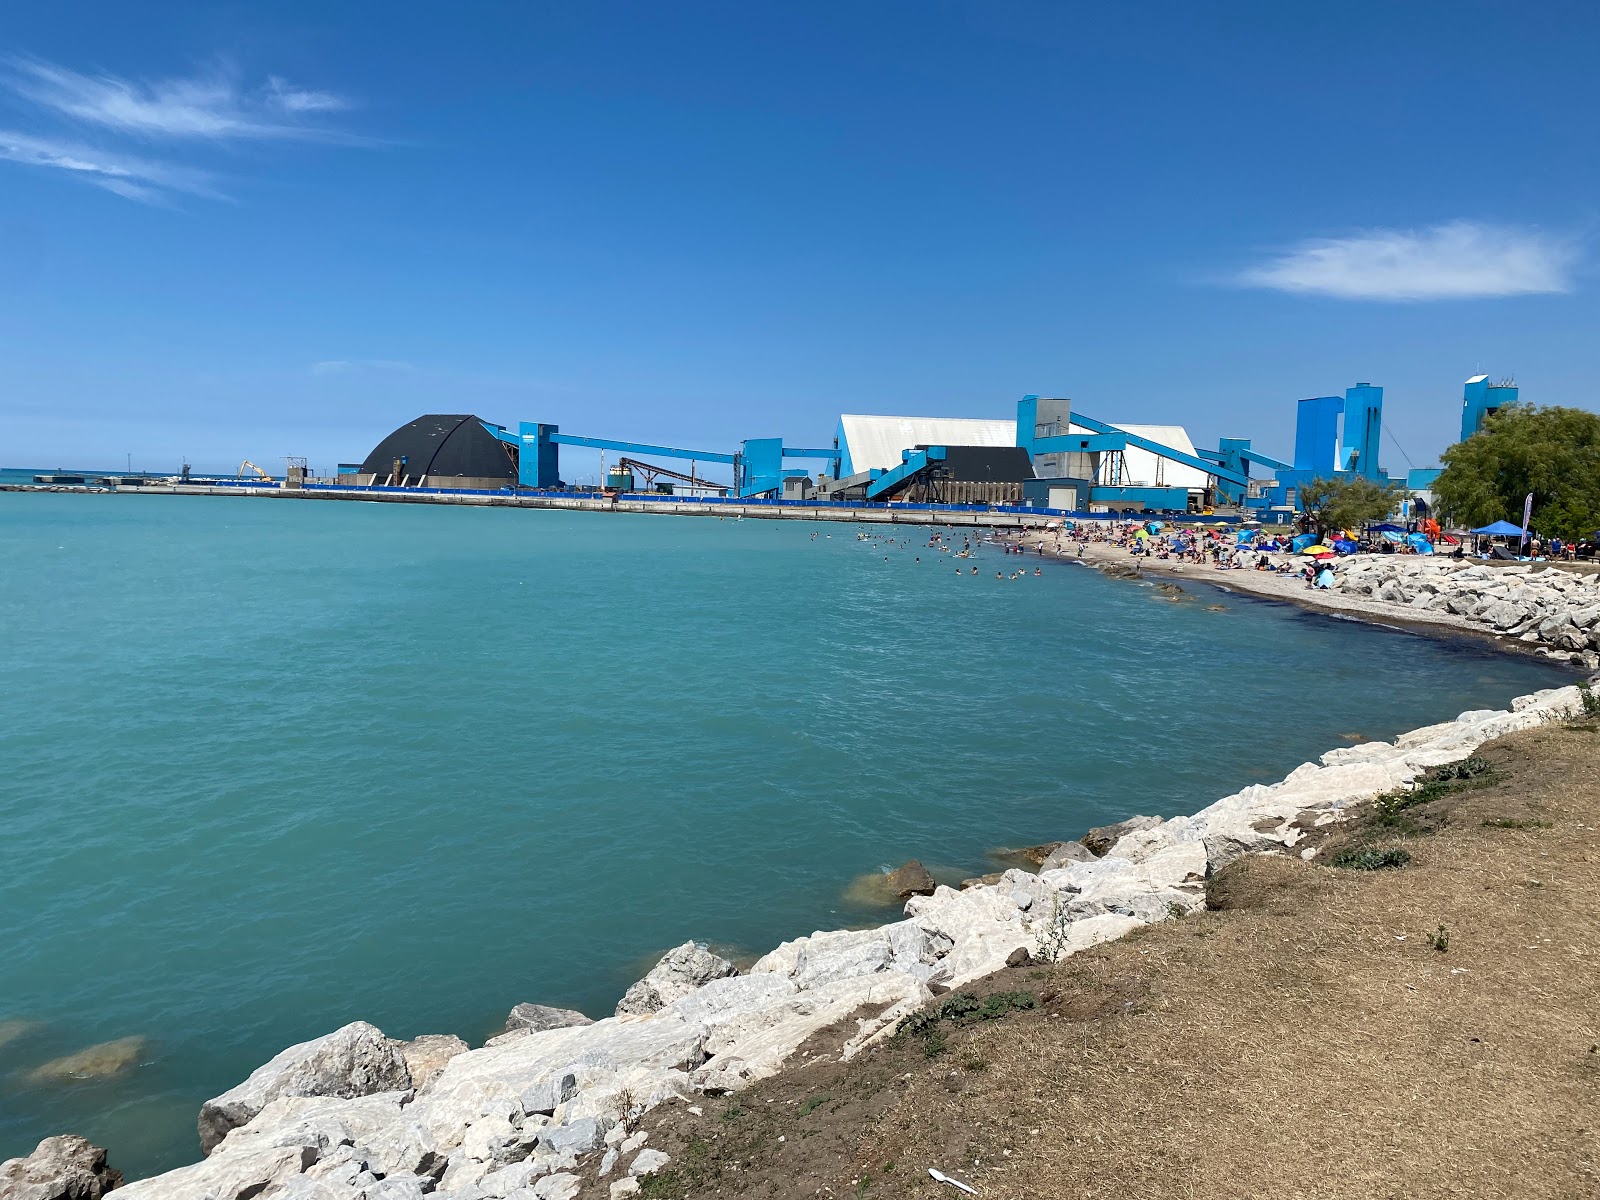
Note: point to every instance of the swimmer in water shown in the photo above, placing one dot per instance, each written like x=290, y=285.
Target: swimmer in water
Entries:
x=1038, y=570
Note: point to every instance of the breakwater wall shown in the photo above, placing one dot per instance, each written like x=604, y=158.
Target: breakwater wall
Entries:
x=1547, y=607
x=753, y=509
x=542, y=1110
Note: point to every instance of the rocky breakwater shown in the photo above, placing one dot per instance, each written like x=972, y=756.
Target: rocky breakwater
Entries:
x=1557, y=610
x=554, y=1103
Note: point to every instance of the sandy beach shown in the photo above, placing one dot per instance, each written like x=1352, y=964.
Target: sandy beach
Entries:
x=1272, y=585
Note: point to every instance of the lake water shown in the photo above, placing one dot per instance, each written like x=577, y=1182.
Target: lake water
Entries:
x=267, y=767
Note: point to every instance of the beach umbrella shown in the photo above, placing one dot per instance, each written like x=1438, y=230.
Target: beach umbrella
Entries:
x=1500, y=529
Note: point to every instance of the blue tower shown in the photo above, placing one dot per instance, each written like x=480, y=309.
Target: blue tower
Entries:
x=1316, y=436
x=1482, y=398
x=1363, y=426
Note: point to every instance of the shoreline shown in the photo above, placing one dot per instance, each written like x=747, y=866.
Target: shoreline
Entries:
x=1289, y=588
x=711, y=1029
x=1098, y=554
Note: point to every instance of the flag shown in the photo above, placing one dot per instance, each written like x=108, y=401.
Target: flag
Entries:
x=1527, y=515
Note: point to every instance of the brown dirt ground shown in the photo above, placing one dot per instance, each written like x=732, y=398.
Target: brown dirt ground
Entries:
x=1304, y=1039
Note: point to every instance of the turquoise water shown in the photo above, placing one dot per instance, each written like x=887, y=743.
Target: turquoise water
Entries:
x=267, y=767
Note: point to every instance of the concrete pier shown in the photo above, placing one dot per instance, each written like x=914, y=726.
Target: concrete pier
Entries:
x=889, y=514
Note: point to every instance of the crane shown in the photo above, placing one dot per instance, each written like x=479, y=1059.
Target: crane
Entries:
x=265, y=478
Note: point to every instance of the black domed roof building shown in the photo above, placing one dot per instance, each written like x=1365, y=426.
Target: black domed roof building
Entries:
x=443, y=450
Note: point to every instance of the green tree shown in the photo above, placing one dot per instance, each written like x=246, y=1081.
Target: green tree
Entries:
x=1348, y=503
x=1552, y=452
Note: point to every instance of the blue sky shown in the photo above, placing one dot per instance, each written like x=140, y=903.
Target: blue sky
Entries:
x=234, y=229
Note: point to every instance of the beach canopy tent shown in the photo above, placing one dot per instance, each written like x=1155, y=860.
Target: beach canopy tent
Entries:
x=1302, y=541
x=1421, y=544
x=1345, y=546
x=1500, y=529
x=1385, y=528
x=1243, y=538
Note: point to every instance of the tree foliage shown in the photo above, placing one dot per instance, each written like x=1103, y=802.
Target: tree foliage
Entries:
x=1348, y=503
x=1552, y=452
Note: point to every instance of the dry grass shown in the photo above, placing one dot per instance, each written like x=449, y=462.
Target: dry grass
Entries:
x=1306, y=1039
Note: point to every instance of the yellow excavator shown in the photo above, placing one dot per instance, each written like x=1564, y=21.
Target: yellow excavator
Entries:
x=265, y=478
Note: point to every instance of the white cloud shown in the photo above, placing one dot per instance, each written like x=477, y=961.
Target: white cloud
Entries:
x=206, y=106
x=1459, y=260
x=302, y=100
x=348, y=366
x=209, y=108
x=136, y=178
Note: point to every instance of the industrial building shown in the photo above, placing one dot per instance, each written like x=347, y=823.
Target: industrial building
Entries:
x=1482, y=400
x=1050, y=455
x=437, y=450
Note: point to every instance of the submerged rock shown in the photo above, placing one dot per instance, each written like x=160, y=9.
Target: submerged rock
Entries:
x=14, y=1028
x=1101, y=838
x=1032, y=856
x=66, y=1167
x=356, y=1060
x=105, y=1061
x=911, y=880
x=426, y=1056
x=680, y=971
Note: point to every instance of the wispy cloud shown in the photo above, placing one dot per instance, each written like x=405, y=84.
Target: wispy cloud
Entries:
x=214, y=107
x=302, y=100
x=349, y=366
x=136, y=178
x=1459, y=260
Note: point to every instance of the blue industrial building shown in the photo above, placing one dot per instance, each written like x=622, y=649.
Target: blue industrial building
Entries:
x=1333, y=436
x=1050, y=456
x=1483, y=399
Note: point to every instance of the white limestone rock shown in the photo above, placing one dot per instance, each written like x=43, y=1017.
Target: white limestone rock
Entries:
x=234, y=1176
x=756, y=1044
x=679, y=972
x=356, y=1060
x=65, y=1167
x=648, y=1162
x=426, y=1056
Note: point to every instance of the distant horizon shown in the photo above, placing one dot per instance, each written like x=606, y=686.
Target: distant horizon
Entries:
x=286, y=229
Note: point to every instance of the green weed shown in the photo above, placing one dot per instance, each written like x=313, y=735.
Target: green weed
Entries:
x=1369, y=858
x=1388, y=810
x=1591, y=702
x=811, y=1103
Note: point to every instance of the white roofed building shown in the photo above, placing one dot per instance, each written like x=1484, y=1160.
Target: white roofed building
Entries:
x=875, y=443
x=1142, y=468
